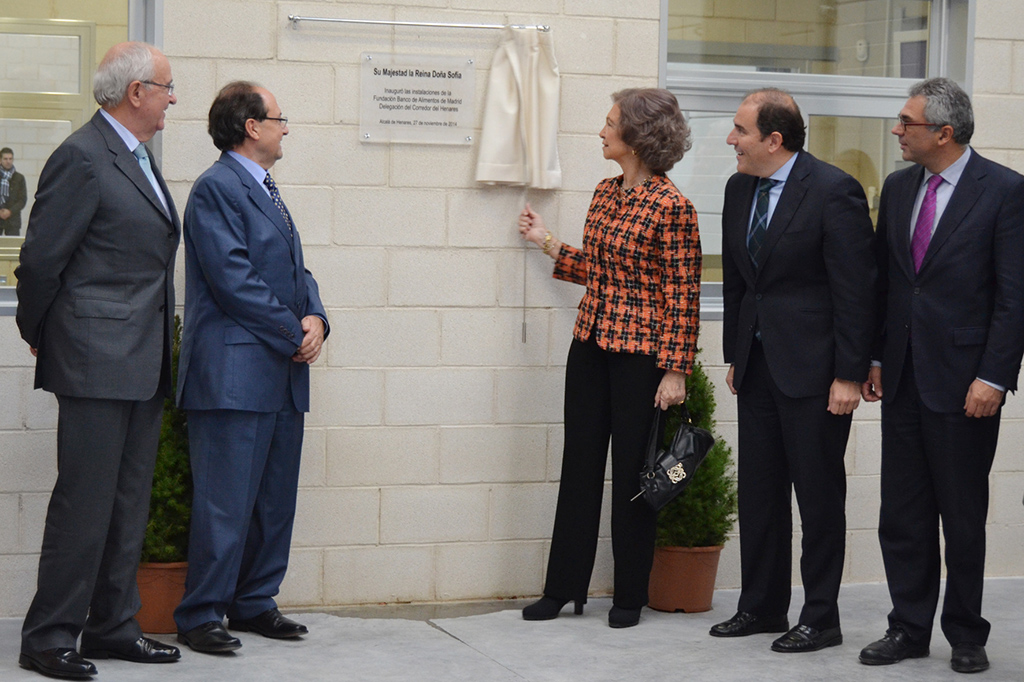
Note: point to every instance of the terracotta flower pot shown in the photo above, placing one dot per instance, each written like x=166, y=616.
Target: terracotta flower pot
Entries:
x=161, y=587
x=683, y=578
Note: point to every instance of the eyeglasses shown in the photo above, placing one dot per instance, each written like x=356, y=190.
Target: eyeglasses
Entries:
x=283, y=120
x=902, y=125
x=169, y=86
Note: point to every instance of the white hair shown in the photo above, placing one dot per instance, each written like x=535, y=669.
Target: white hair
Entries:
x=131, y=62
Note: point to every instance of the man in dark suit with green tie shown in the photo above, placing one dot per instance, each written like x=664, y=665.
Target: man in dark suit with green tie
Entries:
x=96, y=306
x=799, y=290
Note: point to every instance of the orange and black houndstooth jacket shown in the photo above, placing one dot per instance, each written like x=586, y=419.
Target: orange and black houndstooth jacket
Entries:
x=641, y=263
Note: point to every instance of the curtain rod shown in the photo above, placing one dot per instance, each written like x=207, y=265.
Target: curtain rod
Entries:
x=296, y=19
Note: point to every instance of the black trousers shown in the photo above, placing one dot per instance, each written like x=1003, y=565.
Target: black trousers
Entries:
x=785, y=445
x=607, y=395
x=934, y=466
x=95, y=523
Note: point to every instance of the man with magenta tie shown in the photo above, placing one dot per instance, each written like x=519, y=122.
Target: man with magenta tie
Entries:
x=950, y=251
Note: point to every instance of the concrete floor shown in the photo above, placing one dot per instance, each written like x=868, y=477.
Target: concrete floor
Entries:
x=489, y=642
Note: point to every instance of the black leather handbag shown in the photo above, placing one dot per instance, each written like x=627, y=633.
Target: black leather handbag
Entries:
x=668, y=471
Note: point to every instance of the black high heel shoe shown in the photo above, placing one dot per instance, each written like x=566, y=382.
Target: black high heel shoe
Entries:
x=619, y=617
x=547, y=608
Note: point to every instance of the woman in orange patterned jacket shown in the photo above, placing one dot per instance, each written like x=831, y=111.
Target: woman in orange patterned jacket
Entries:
x=632, y=347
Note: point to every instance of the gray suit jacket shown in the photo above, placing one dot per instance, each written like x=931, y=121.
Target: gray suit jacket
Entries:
x=96, y=279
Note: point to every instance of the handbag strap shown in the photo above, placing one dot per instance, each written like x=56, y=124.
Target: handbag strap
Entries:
x=658, y=431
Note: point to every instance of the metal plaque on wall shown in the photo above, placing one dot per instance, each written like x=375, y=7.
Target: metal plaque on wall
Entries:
x=424, y=99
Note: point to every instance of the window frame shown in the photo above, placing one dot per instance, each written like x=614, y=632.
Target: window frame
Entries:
x=720, y=90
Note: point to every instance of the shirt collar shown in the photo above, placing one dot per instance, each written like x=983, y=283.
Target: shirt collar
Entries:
x=782, y=174
x=255, y=170
x=130, y=140
x=953, y=171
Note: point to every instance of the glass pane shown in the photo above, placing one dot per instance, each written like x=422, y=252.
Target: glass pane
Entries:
x=32, y=141
x=863, y=147
x=39, y=63
x=885, y=38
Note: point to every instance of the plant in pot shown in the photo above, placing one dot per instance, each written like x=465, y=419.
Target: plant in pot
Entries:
x=161, y=577
x=692, y=528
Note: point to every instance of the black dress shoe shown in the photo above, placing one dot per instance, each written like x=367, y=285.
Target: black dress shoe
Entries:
x=805, y=638
x=893, y=648
x=969, y=658
x=65, y=663
x=743, y=624
x=142, y=650
x=547, y=608
x=270, y=624
x=209, y=638
x=619, y=617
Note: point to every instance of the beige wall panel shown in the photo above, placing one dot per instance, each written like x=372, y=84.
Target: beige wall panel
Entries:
x=355, y=456
x=196, y=28
x=500, y=454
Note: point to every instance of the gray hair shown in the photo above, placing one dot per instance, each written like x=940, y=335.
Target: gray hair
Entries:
x=946, y=104
x=122, y=65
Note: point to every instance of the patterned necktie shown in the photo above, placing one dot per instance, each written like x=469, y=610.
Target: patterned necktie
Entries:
x=925, y=221
x=276, y=198
x=759, y=224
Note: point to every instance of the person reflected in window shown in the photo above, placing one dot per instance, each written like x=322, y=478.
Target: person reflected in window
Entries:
x=633, y=345
x=12, y=194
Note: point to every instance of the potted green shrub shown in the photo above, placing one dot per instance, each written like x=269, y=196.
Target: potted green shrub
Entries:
x=692, y=529
x=162, y=572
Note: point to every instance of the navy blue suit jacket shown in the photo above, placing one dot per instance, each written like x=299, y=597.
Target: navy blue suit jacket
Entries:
x=246, y=292
x=963, y=312
x=813, y=296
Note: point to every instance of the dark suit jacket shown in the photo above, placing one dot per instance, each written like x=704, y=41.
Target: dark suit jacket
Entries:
x=246, y=292
x=813, y=296
x=96, y=278
x=15, y=202
x=965, y=308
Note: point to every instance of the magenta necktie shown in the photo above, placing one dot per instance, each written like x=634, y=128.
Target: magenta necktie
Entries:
x=925, y=220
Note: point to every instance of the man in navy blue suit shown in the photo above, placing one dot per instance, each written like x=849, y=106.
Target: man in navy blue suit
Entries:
x=950, y=252
x=254, y=323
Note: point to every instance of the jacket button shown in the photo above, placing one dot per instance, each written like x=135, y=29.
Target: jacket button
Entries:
x=163, y=308
x=917, y=290
x=757, y=297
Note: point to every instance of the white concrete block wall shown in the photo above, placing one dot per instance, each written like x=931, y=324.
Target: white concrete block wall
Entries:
x=433, y=448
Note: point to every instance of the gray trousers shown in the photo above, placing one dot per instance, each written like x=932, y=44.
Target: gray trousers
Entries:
x=95, y=523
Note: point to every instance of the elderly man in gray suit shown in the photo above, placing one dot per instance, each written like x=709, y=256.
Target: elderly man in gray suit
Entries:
x=95, y=304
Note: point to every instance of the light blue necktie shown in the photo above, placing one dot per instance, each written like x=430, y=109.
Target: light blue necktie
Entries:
x=143, y=156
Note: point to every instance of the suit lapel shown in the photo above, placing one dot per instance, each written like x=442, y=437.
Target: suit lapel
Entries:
x=965, y=195
x=259, y=196
x=128, y=164
x=902, y=227
x=741, y=226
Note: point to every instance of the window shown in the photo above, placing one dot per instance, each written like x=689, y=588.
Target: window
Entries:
x=848, y=63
